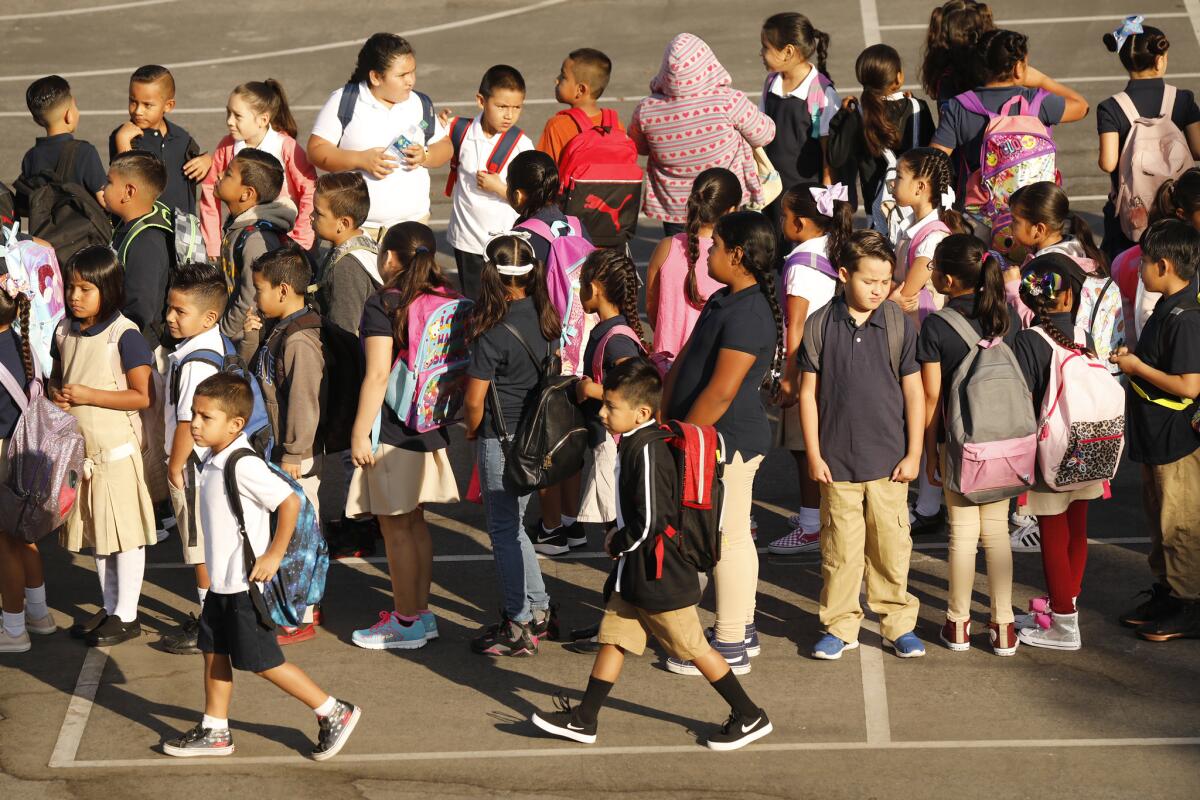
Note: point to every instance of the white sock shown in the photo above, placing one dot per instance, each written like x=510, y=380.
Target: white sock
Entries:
x=810, y=518
x=929, y=497
x=550, y=530
x=326, y=708
x=568, y=520
x=14, y=624
x=35, y=601
x=214, y=724
x=106, y=571
x=201, y=593
x=131, y=567
x=308, y=615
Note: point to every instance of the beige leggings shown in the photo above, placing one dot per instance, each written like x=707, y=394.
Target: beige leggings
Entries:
x=970, y=524
x=736, y=575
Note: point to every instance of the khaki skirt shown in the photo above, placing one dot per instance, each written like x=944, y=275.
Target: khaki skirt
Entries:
x=1045, y=503
x=400, y=481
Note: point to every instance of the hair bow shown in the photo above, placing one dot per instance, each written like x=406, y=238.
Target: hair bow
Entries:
x=1046, y=284
x=825, y=195
x=1129, y=26
x=523, y=235
x=948, y=198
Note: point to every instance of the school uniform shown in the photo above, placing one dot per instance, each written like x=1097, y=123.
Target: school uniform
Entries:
x=174, y=149
x=818, y=289
x=348, y=276
x=260, y=230
x=800, y=124
x=148, y=261
x=88, y=172
x=908, y=231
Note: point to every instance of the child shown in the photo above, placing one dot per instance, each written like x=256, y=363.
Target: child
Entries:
x=394, y=479
x=258, y=116
x=113, y=513
x=677, y=279
x=950, y=43
x=53, y=107
x=820, y=226
x=923, y=177
x=637, y=604
x=513, y=318
x=232, y=634
x=1176, y=199
x=736, y=347
x=349, y=273
x=256, y=224
x=1164, y=375
x=1143, y=53
x=580, y=83
x=145, y=248
x=972, y=280
x=151, y=98
x=478, y=202
x=853, y=372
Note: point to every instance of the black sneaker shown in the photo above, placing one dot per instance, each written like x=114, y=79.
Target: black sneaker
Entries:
x=928, y=526
x=335, y=730
x=200, y=741
x=114, y=631
x=737, y=733
x=585, y=640
x=576, y=535
x=84, y=628
x=553, y=543
x=1159, y=604
x=1182, y=623
x=183, y=641
x=545, y=626
x=506, y=638
x=565, y=722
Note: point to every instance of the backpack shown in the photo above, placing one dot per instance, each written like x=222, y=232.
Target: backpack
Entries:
x=601, y=178
x=598, y=357
x=61, y=211
x=1081, y=426
x=552, y=436
x=883, y=210
x=35, y=269
x=568, y=250
x=189, y=241
x=428, y=381
x=160, y=218
x=893, y=323
x=300, y=581
x=1101, y=304
x=258, y=428
x=1017, y=150
x=501, y=152
x=233, y=270
x=804, y=261
x=350, y=99
x=991, y=431
x=699, y=452
x=1155, y=151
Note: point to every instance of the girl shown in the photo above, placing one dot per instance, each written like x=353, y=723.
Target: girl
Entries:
x=22, y=585
x=677, y=279
x=1143, y=53
x=736, y=347
x=950, y=43
x=971, y=279
x=394, y=479
x=867, y=136
x=1176, y=199
x=514, y=316
x=102, y=378
x=258, y=116
x=820, y=227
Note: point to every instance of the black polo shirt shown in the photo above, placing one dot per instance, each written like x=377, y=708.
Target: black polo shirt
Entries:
x=174, y=150
x=941, y=344
x=497, y=357
x=1147, y=97
x=1170, y=342
x=1034, y=355
x=43, y=157
x=860, y=405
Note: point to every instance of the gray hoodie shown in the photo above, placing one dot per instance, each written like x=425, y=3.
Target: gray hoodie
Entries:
x=255, y=243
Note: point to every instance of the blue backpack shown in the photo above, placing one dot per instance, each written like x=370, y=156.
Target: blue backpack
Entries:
x=258, y=428
x=300, y=581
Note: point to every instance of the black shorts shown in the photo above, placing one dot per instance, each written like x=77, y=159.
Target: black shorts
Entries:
x=229, y=627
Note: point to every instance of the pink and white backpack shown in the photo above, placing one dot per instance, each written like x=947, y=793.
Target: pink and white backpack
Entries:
x=568, y=250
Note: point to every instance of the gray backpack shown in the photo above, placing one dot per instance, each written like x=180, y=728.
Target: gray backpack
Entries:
x=991, y=429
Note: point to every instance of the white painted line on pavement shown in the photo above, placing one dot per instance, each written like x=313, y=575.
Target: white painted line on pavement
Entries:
x=1016, y=23
x=67, y=12
x=80, y=708
x=870, y=22
x=874, y=687
x=1193, y=11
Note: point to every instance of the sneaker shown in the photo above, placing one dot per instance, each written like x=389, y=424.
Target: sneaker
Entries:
x=113, y=632
x=390, y=634
x=576, y=535
x=1159, y=605
x=42, y=626
x=200, y=741
x=1055, y=631
x=430, y=623
x=735, y=656
x=906, y=646
x=548, y=543
x=1182, y=623
x=1038, y=606
x=335, y=729
x=1027, y=539
x=798, y=541
x=545, y=624
x=921, y=525
x=506, y=638
x=302, y=633
x=14, y=644
x=736, y=732
x=956, y=635
x=1004, y=638
x=84, y=628
x=184, y=641
x=753, y=528
x=1019, y=520
x=753, y=646
x=830, y=648
x=585, y=640
x=565, y=722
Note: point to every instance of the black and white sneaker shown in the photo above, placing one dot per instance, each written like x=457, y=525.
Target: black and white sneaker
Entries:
x=736, y=732
x=335, y=730
x=548, y=543
x=565, y=722
x=576, y=535
x=184, y=640
x=200, y=741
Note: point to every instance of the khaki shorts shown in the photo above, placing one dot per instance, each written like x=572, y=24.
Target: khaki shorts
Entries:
x=679, y=631
x=400, y=481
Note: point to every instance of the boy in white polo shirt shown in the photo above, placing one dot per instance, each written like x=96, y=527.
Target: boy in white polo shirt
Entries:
x=235, y=630
x=483, y=148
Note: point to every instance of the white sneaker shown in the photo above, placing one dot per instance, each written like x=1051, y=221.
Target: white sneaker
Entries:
x=1019, y=520
x=42, y=627
x=14, y=644
x=1027, y=539
x=1063, y=633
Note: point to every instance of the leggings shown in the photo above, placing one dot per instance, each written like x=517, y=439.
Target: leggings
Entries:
x=970, y=525
x=1064, y=555
x=735, y=576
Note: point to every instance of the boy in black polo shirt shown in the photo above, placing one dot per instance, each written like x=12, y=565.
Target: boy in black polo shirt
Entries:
x=145, y=239
x=53, y=107
x=1164, y=380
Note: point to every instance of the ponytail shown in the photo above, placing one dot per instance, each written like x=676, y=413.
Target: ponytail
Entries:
x=1082, y=232
x=1046, y=203
x=617, y=276
x=800, y=202
x=267, y=97
x=786, y=28
x=877, y=68
x=26, y=351
x=1043, y=279
x=934, y=166
x=1177, y=197
x=966, y=259
x=714, y=192
x=414, y=246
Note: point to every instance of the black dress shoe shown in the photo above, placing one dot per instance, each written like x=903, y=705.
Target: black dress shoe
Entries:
x=81, y=630
x=928, y=526
x=114, y=631
x=1182, y=623
x=184, y=640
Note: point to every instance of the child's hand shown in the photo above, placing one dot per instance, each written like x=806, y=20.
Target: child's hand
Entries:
x=581, y=388
x=175, y=479
x=125, y=136
x=1126, y=361
x=265, y=567
x=76, y=394
x=378, y=162
x=608, y=537
x=789, y=393
x=818, y=470
x=361, y=452
x=907, y=470
x=253, y=322
x=293, y=470
x=489, y=182
x=931, y=472
x=56, y=397
x=197, y=168
x=444, y=116
x=907, y=304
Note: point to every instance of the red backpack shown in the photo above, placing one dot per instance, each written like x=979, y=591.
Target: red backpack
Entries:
x=601, y=179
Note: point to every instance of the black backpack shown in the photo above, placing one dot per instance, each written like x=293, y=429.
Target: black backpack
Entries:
x=551, y=438
x=61, y=211
x=699, y=453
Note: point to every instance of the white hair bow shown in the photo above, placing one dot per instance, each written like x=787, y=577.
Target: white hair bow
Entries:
x=825, y=195
x=1129, y=26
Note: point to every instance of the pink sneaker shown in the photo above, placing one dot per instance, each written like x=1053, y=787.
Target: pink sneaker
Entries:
x=798, y=541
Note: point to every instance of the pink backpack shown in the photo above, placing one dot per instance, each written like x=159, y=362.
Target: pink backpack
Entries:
x=568, y=250
x=598, y=358
x=1081, y=430
x=1155, y=151
x=925, y=304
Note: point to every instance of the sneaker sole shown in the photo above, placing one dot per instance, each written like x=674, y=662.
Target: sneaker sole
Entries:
x=817, y=654
x=958, y=647
x=892, y=646
x=679, y=669
x=1024, y=549
x=184, y=752
x=113, y=641
x=390, y=645
x=740, y=743
x=551, y=549
x=41, y=631
x=753, y=652
x=1049, y=645
x=565, y=733
x=183, y=651
x=524, y=652
x=792, y=551
x=341, y=742
x=1004, y=651
x=25, y=648
x=1166, y=637
x=431, y=635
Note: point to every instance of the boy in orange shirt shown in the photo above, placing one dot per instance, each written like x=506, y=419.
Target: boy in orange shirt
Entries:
x=580, y=83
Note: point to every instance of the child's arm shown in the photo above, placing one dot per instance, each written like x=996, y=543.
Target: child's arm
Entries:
x=914, y=427
x=1186, y=385
x=818, y=470
x=789, y=386
x=756, y=127
x=1110, y=151
x=139, y=395
x=210, y=206
x=713, y=401
x=1076, y=105
x=652, y=269
x=302, y=179
x=915, y=280
x=473, y=402
x=304, y=366
x=123, y=137
x=931, y=380
x=370, y=398
x=286, y=514
x=233, y=321
x=639, y=139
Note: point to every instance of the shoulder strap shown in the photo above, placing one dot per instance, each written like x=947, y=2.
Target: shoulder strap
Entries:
x=893, y=324
x=521, y=340
x=14, y=388
x=66, y=161
x=427, y=115
x=154, y=219
x=1096, y=305
x=503, y=150
x=1034, y=107
x=248, y=557
x=916, y=122
x=971, y=102
x=458, y=133
x=581, y=119
x=535, y=225
x=347, y=103
x=598, y=357
x=1125, y=103
x=610, y=119
x=958, y=323
x=207, y=356
x=1168, y=101
x=814, y=334
x=813, y=261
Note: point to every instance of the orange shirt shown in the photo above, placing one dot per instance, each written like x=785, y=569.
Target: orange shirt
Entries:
x=561, y=129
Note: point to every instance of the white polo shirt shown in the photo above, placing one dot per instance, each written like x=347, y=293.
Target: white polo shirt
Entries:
x=802, y=281
x=832, y=102
x=908, y=231
x=477, y=214
x=190, y=376
x=404, y=194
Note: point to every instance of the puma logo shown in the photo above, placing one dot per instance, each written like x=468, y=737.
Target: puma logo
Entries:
x=594, y=203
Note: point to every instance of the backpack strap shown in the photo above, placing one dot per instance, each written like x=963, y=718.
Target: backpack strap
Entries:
x=458, y=134
x=535, y=225
x=581, y=119
x=1168, y=101
x=937, y=226
x=1033, y=107
x=207, y=356
x=503, y=149
x=346, y=105
x=1125, y=103
x=529, y=350
x=916, y=121
x=958, y=323
x=261, y=225
x=814, y=335
x=156, y=218
x=276, y=342
x=598, y=357
x=971, y=102
x=66, y=161
x=248, y=558
x=14, y=388
x=893, y=325
x=427, y=115
x=813, y=261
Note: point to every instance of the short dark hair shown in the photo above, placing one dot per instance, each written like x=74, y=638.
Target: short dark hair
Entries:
x=46, y=94
x=154, y=73
x=637, y=380
x=97, y=264
x=287, y=265
x=145, y=168
x=230, y=392
x=1176, y=241
x=501, y=76
x=591, y=67
x=203, y=283
x=347, y=195
x=262, y=172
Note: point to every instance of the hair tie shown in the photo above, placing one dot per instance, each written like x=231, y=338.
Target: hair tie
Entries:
x=825, y=195
x=994, y=254
x=1129, y=26
x=514, y=269
x=420, y=249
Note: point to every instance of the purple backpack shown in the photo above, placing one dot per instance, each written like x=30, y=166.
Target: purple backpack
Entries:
x=568, y=250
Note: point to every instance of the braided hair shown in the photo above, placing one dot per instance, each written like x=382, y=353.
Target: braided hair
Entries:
x=617, y=276
x=932, y=165
x=1042, y=281
x=714, y=192
x=12, y=309
x=755, y=236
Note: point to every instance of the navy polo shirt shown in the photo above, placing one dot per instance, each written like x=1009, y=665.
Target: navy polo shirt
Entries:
x=174, y=150
x=739, y=321
x=43, y=157
x=860, y=405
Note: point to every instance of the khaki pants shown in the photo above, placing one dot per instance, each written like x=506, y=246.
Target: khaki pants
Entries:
x=735, y=577
x=864, y=529
x=971, y=524
x=1172, y=498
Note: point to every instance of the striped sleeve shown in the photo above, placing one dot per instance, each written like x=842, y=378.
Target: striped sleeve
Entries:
x=755, y=127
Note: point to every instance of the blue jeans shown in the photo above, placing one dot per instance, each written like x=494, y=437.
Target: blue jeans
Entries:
x=521, y=585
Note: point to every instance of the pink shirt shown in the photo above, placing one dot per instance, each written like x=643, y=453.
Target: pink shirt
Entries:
x=676, y=317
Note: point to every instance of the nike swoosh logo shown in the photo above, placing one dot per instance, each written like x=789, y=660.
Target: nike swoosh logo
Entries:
x=571, y=726
x=750, y=727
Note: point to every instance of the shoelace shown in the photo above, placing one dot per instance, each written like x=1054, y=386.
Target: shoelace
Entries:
x=563, y=703
x=729, y=723
x=385, y=619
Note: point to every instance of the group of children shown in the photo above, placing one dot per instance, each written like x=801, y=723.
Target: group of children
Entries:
x=865, y=341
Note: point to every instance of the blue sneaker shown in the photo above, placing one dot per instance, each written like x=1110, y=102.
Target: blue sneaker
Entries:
x=430, y=623
x=830, y=648
x=735, y=656
x=906, y=646
x=390, y=634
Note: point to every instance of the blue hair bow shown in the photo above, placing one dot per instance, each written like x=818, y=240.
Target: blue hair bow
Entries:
x=1130, y=26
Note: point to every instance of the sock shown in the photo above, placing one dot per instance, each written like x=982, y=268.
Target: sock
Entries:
x=106, y=571
x=810, y=519
x=35, y=601
x=131, y=567
x=326, y=708
x=201, y=593
x=731, y=692
x=213, y=723
x=14, y=624
x=550, y=530
x=593, y=698
x=568, y=521
x=929, y=497
x=406, y=620
x=423, y=611
x=308, y=615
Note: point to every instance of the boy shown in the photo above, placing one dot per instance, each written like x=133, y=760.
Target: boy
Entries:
x=256, y=224
x=52, y=106
x=479, y=203
x=1164, y=380
x=151, y=98
x=862, y=412
x=232, y=633
x=349, y=273
x=581, y=81
x=639, y=603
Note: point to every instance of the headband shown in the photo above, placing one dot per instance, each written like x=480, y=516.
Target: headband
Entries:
x=511, y=269
x=825, y=195
x=1129, y=26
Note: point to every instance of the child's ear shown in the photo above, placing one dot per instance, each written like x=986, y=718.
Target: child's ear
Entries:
x=249, y=194
x=479, y=99
x=169, y=106
x=843, y=275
